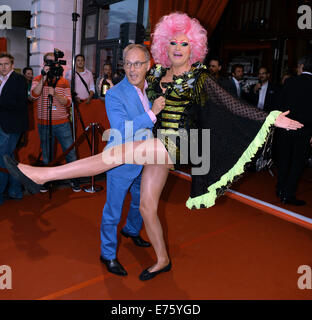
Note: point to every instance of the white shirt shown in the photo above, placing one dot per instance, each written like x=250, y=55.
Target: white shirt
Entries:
x=306, y=72
x=238, y=89
x=262, y=94
x=4, y=79
x=145, y=102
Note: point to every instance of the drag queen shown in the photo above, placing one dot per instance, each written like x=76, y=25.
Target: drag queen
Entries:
x=193, y=100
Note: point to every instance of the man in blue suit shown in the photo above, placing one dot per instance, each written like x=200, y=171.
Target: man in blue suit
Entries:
x=131, y=118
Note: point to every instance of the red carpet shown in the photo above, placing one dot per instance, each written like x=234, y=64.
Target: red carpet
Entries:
x=230, y=251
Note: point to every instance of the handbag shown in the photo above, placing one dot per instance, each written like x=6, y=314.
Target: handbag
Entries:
x=265, y=161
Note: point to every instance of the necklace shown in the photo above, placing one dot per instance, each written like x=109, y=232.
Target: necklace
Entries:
x=179, y=83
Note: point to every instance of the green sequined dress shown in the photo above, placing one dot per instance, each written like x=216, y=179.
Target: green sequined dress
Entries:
x=236, y=130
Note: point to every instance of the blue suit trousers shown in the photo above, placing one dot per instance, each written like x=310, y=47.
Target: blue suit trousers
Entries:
x=117, y=189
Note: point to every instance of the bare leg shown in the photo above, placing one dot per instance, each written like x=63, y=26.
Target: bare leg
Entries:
x=140, y=152
x=153, y=181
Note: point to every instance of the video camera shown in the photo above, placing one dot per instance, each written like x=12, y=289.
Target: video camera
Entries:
x=56, y=69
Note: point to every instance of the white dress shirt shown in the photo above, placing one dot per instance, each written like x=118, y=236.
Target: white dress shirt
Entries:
x=238, y=88
x=262, y=94
x=4, y=79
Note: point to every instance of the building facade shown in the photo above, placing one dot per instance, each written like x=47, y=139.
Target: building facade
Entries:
x=13, y=30
x=102, y=30
x=107, y=27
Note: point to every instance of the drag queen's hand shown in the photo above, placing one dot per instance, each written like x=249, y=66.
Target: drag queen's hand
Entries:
x=286, y=123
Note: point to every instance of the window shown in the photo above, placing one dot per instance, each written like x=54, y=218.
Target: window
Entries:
x=89, y=52
x=254, y=14
x=90, y=26
x=101, y=30
x=110, y=19
x=106, y=56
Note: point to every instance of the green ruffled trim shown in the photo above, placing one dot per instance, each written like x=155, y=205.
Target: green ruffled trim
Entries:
x=208, y=199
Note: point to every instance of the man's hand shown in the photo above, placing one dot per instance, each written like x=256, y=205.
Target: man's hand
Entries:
x=46, y=69
x=257, y=87
x=51, y=91
x=100, y=84
x=88, y=100
x=110, y=83
x=158, y=105
x=77, y=100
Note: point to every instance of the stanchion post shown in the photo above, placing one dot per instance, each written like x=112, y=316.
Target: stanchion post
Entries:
x=92, y=188
x=75, y=17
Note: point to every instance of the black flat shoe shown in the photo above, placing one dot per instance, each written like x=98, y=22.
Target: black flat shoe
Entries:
x=146, y=275
x=293, y=200
x=114, y=266
x=138, y=241
x=31, y=186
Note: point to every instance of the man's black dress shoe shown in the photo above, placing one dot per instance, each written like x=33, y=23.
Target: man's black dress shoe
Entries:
x=114, y=266
x=146, y=275
x=136, y=239
x=11, y=165
x=293, y=200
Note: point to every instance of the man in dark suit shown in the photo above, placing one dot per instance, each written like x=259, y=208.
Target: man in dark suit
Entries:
x=13, y=119
x=293, y=146
x=264, y=94
x=214, y=68
x=237, y=74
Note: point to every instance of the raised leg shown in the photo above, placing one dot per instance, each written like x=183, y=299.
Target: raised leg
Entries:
x=139, y=152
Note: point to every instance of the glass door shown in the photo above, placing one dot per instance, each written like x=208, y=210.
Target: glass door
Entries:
x=107, y=53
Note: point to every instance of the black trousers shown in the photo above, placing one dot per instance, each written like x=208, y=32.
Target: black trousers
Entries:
x=292, y=153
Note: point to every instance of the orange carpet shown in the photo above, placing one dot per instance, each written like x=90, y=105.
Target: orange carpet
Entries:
x=230, y=251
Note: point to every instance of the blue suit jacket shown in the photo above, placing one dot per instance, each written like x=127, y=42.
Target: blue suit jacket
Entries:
x=123, y=104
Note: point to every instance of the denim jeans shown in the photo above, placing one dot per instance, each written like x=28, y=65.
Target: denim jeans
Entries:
x=62, y=132
x=8, y=142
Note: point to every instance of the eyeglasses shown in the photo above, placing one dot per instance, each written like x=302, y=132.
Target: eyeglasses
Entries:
x=136, y=64
x=182, y=43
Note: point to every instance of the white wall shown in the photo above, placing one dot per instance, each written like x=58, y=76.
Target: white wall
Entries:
x=52, y=27
x=16, y=46
x=18, y=5
x=16, y=37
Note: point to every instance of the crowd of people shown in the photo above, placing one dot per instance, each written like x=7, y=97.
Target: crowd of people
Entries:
x=178, y=94
x=291, y=151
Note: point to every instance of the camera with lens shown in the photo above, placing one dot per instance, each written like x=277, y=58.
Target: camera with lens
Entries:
x=56, y=69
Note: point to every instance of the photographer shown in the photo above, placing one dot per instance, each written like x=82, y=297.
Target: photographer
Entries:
x=51, y=82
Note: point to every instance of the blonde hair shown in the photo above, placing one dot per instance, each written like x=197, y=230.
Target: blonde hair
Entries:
x=138, y=46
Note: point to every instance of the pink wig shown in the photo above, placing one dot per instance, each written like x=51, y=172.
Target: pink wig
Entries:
x=174, y=24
